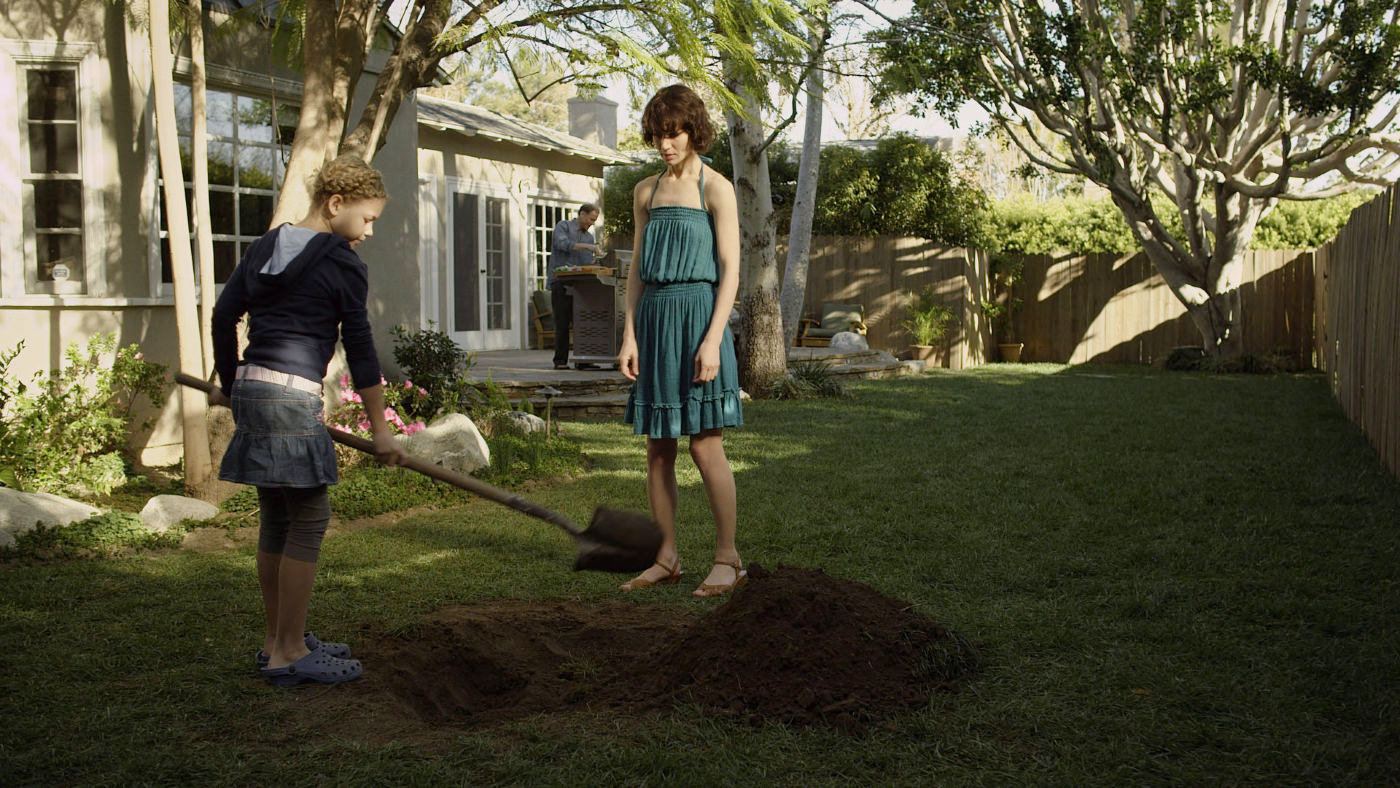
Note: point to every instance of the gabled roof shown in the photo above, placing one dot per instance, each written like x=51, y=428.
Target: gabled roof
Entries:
x=470, y=121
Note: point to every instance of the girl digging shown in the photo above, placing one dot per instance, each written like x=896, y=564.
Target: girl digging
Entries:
x=301, y=285
x=676, y=344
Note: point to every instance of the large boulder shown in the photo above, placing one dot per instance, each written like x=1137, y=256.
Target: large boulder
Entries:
x=22, y=511
x=163, y=511
x=452, y=441
x=849, y=342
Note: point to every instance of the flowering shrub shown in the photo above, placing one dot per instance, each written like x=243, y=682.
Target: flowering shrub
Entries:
x=399, y=398
x=65, y=430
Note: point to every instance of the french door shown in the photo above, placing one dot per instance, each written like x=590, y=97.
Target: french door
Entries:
x=481, y=268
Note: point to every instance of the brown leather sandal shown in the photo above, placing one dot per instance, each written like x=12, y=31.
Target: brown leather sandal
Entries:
x=720, y=589
x=673, y=576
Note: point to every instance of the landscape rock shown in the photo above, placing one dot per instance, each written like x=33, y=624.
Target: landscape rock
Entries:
x=526, y=422
x=163, y=511
x=452, y=441
x=21, y=512
x=849, y=342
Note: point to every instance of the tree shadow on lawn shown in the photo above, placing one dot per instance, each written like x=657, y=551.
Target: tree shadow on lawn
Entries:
x=1140, y=556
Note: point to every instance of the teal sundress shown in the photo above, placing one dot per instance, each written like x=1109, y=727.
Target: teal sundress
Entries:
x=679, y=269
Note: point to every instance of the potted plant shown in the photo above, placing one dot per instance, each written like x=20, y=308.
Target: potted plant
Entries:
x=1001, y=310
x=928, y=324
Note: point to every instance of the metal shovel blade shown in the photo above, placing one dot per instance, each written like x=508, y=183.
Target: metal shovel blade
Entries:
x=617, y=541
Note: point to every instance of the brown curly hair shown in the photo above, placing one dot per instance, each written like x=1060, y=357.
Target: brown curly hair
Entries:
x=350, y=177
x=677, y=108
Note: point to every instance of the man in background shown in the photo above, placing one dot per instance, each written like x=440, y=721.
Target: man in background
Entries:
x=572, y=244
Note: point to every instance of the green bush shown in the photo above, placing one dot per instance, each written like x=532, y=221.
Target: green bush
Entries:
x=65, y=431
x=102, y=535
x=433, y=360
x=1087, y=225
x=929, y=320
x=807, y=380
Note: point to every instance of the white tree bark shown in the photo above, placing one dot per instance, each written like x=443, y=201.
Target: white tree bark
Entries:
x=762, y=354
x=804, y=205
x=192, y=403
x=199, y=166
x=1224, y=168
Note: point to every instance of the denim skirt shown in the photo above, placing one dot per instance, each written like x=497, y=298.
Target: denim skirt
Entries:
x=279, y=439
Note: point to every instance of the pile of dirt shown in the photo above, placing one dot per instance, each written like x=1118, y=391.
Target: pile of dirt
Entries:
x=507, y=659
x=794, y=646
x=801, y=647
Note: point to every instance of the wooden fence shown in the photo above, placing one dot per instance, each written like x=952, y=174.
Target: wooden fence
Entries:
x=1357, y=299
x=879, y=273
x=1116, y=308
x=1075, y=308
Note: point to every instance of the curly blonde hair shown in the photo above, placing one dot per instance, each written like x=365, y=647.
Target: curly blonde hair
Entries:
x=350, y=177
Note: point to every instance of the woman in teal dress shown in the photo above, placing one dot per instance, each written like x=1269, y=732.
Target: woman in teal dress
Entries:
x=676, y=346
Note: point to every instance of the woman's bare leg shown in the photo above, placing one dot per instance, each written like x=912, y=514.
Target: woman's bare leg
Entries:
x=707, y=450
x=663, y=495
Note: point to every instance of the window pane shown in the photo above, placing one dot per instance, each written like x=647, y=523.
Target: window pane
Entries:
x=254, y=119
x=221, y=212
x=466, y=306
x=225, y=259
x=255, y=167
x=58, y=204
x=165, y=276
x=219, y=109
x=287, y=123
x=221, y=163
x=60, y=257
x=254, y=213
x=53, y=147
x=184, y=108
x=186, y=163
x=53, y=94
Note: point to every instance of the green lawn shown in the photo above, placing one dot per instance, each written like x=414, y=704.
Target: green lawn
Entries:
x=1172, y=578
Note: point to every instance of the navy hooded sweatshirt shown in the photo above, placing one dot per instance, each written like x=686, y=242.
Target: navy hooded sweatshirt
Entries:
x=296, y=309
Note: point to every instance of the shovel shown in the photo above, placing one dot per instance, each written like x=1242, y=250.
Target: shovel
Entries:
x=616, y=541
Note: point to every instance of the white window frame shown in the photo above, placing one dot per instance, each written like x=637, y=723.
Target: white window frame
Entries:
x=515, y=238
x=18, y=247
x=539, y=258
x=166, y=290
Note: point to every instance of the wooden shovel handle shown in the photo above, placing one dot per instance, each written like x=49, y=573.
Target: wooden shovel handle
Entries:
x=431, y=470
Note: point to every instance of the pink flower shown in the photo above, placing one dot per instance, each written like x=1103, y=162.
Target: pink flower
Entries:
x=407, y=385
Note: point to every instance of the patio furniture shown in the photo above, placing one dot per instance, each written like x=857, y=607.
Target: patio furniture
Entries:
x=835, y=318
x=542, y=315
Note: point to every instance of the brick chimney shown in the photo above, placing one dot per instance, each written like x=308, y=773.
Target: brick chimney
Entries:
x=594, y=119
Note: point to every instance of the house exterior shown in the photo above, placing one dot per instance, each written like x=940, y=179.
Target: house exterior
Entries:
x=82, y=247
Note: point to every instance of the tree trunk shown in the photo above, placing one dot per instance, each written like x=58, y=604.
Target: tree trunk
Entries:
x=192, y=403
x=1209, y=287
x=407, y=68
x=804, y=206
x=762, y=354
x=318, y=133
x=199, y=166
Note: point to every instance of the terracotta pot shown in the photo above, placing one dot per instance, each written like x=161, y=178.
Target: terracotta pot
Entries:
x=1011, y=351
x=920, y=352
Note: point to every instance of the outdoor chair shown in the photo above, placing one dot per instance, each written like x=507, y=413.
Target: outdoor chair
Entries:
x=835, y=318
x=542, y=315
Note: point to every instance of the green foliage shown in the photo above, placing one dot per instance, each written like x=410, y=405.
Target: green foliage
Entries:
x=64, y=431
x=1090, y=226
x=901, y=187
x=516, y=458
x=929, y=320
x=103, y=535
x=432, y=359
x=808, y=380
x=1307, y=225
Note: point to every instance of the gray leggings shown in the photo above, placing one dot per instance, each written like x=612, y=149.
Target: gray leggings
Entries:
x=293, y=521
